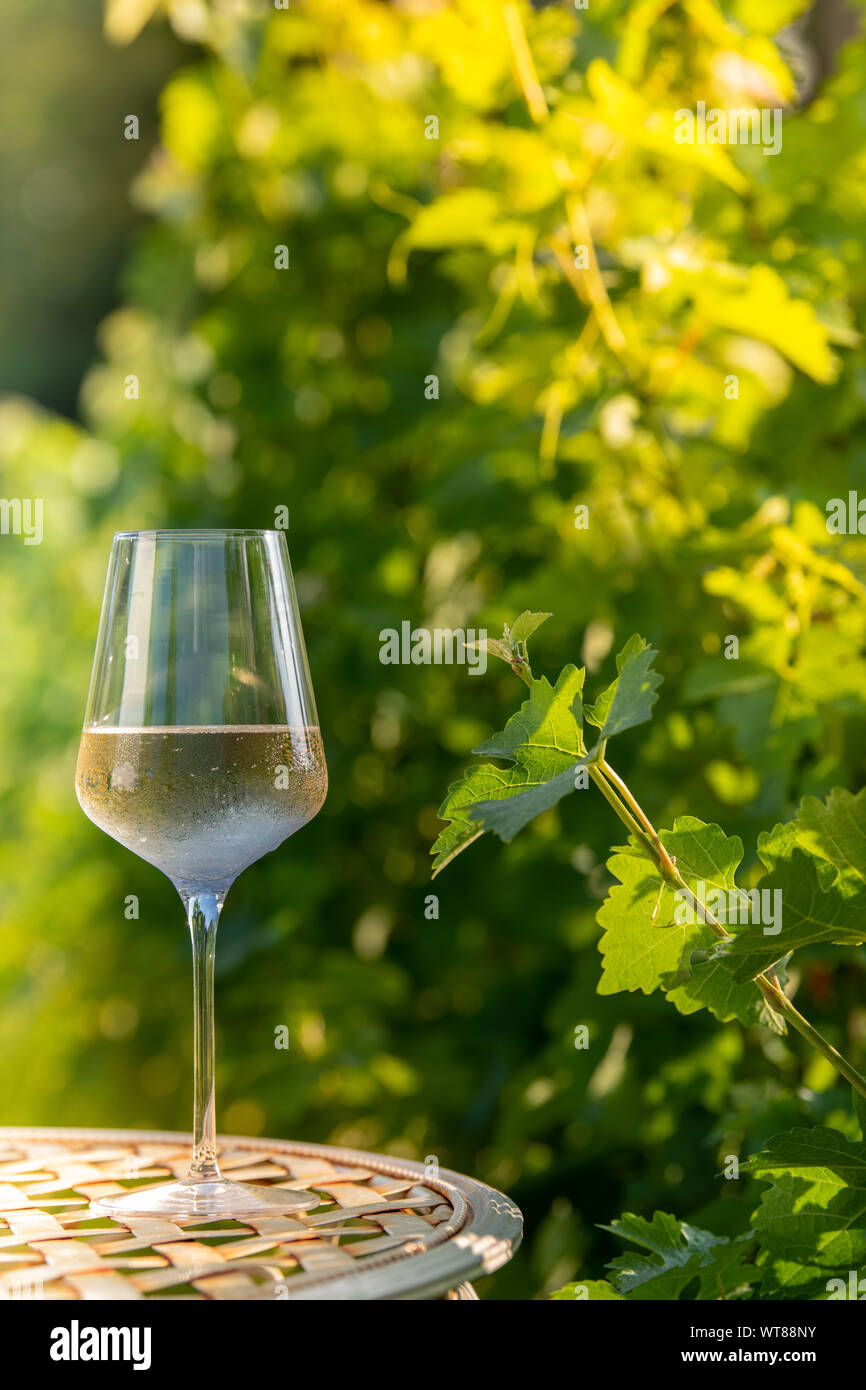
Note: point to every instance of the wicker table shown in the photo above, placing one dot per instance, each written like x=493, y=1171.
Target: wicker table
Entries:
x=384, y=1229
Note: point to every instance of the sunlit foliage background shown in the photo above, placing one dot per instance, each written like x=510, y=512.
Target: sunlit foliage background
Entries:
x=559, y=387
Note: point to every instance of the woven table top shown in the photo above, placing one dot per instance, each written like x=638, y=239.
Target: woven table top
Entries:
x=384, y=1228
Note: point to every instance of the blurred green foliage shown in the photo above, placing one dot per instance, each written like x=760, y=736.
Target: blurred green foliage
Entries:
x=604, y=385
x=66, y=171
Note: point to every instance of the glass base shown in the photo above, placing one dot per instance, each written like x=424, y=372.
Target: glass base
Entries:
x=205, y=1200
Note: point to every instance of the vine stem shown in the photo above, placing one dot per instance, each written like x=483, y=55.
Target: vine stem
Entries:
x=667, y=866
x=625, y=816
x=634, y=818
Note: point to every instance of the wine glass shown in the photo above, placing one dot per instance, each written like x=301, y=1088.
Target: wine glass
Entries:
x=201, y=752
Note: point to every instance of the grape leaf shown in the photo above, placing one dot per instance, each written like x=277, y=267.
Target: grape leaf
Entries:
x=809, y=911
x=494, y=646
x=644, y=946
x=811, y=1224
x=817, y=862
x=833, y=831
x=544, y=740
x=640, y=950
x=627, y=701
x=591, y=1291
x=629, y=698
x=546, y=733
x=507, y=647
x=523, y=627
x=507, y=818
x=711, y=985
x=705, y=854
x=481, y=783
x=682, y=1258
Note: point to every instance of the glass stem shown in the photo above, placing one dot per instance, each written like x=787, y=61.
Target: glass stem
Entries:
x=203, y=914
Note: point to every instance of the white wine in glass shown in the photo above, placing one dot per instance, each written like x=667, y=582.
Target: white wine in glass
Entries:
x=201, y=752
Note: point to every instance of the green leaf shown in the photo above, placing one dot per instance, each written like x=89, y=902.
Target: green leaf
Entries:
x=480, y=782
x=703, y=853
x=641, y=946
x=629, y=699
x=712, y=985
x=682, y=1258
x=817, y=862
x=546, y=733
x=543, y=740
x=833, y=831
x=523, y=627
x=809, y=912
x=644, y=946
x=508, y=646
x=493, y=645
x=811, y=1224
x=505, y=819
x=592, y=1291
